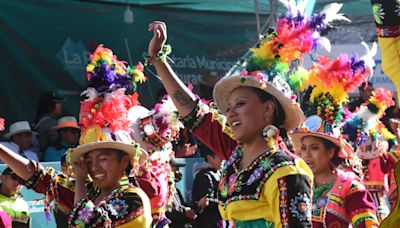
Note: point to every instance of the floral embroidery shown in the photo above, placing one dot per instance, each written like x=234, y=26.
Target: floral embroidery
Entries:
x=283, y=202
x=300, y=207
x=379, y=14
x=85, y=214
x=118, y=207
x=247, y=184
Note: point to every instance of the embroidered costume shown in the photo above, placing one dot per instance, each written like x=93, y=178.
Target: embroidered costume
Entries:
x=124, y=207
x=155, y=130
x=344, y=202
x=104, y=124
x=243, y=195
x=371, y=143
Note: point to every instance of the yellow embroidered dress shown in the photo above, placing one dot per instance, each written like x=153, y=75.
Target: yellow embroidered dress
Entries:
x=274, y=191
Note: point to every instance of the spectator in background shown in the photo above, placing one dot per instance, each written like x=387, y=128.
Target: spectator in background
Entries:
x=11, y=200
x=49, y=108
x=365, y=93
x=204, y=192
x=181, y=216
x=20, y=136
x=68, y=137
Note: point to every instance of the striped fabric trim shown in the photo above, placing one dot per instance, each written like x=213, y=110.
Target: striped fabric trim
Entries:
x=336, y=199
x=361, y=217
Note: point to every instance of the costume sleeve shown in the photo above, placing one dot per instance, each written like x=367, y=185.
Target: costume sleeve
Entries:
x=52, y=184
x=126, y=207
x=209, y=127
x=360, y=206
x=295, y=200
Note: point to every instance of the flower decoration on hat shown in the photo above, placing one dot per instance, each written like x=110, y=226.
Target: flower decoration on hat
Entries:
x=368, y=134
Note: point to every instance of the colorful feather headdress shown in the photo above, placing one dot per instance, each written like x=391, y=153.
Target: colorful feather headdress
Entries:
x=273, y=65
x=295, y=35
x=333, y=79
x=365, y=129
x=103, y=114
x=107, y=98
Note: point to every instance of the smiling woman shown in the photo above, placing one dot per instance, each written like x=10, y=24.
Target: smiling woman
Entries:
x=256, y=101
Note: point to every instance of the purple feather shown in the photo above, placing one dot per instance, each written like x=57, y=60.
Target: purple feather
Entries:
x=317, y=22
x=357, y=63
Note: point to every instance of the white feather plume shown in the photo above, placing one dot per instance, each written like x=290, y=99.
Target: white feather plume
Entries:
x=368, y=58
x=90, y=93
x=331, y=12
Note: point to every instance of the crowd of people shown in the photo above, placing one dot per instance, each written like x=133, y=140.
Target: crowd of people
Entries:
x=271, y=162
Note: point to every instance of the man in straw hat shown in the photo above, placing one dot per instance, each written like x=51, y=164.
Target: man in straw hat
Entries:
x=105, y=152
x=68, y=137
x=20, y=136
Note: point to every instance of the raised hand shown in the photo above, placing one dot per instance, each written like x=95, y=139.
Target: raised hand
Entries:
x=159, y=37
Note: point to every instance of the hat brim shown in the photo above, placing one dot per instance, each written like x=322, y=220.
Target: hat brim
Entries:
x=294, y=116
x=78, y=152
x=178, y=164
x=346, y=148
x=66, y=126
x=9, y=134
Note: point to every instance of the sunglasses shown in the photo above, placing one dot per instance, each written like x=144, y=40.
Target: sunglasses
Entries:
x=14, y=176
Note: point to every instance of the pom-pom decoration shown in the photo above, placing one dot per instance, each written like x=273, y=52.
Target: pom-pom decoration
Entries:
x=166, y=119
x=364, y=127
x=382, y=99
x=108, y=111
x=106, y=73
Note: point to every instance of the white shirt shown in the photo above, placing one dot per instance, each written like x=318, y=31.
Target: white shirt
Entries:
x=25, y=153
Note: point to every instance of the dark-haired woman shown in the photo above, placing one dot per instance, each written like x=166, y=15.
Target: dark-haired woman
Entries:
x=340, y=198
x=262, y=185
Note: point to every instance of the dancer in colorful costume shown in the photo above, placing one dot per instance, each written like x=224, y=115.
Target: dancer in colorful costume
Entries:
x=339, y=197
x=105, y=152
x=262, y=184
x=155, y=130
x=370, y=138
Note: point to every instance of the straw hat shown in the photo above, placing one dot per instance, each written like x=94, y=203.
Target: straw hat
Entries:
x=67, y=122
x=315, y=127
x=95, y=137
x=278, y=88
x=18, y=127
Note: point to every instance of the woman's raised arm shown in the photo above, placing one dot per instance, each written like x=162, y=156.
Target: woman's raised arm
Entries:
x=183, y=98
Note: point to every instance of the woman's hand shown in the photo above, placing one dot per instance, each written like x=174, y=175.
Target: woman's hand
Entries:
x=159, y=37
